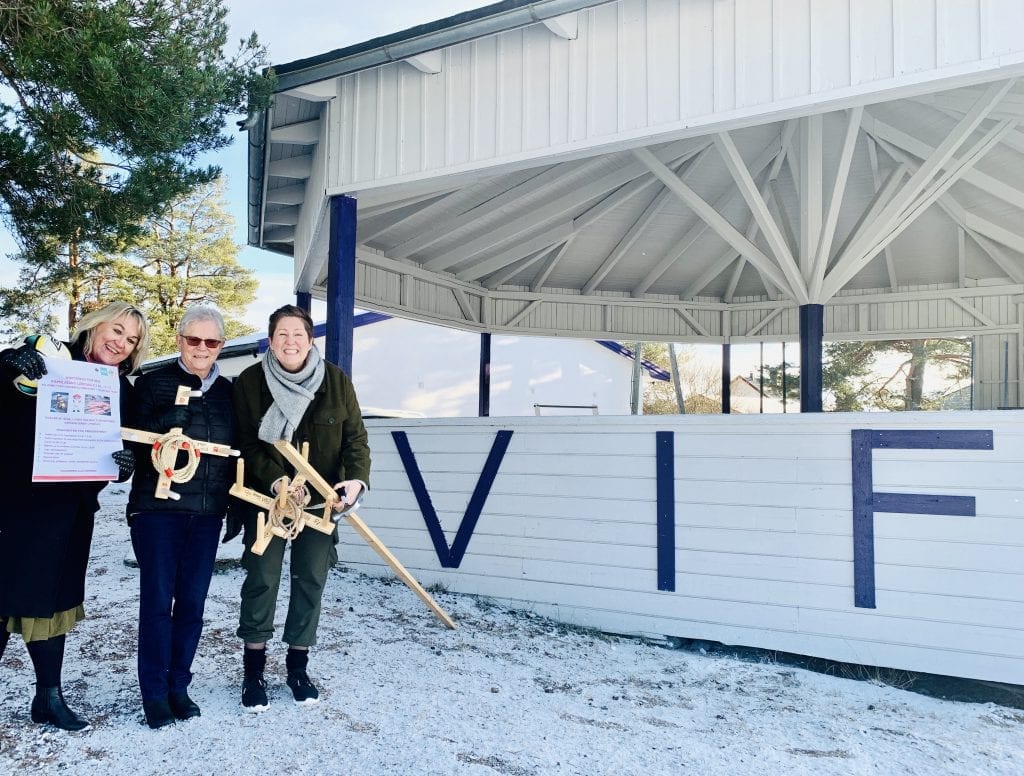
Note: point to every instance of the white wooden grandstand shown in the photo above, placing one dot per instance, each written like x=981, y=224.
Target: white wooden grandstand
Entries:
x=691, y=171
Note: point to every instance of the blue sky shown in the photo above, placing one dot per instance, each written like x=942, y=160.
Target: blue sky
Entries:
x=290, y=31
x=304, y=28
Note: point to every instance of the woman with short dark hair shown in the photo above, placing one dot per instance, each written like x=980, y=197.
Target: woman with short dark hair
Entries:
x=293, y=394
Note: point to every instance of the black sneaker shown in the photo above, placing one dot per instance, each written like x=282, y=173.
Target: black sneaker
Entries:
x=254, y=694
x=302, y=689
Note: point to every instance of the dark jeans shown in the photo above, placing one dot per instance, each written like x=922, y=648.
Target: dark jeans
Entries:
x=176, y=552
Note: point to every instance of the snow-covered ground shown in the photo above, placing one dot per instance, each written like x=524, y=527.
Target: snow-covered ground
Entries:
x=505, y=693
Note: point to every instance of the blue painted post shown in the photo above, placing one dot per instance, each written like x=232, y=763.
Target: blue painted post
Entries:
x=726, y=379
x=812, y=330
x=484, y=405
x=304, y=299
x=665, y=472
x=341, y=282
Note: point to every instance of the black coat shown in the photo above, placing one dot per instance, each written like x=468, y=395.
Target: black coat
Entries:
x=213, y=420
x=45, y=527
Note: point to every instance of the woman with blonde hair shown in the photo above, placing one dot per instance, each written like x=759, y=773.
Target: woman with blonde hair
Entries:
x=46, y=527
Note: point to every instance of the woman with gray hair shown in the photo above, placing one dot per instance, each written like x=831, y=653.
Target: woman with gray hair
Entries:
x=175, y=540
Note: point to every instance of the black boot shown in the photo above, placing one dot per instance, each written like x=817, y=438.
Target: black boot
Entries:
x=49, y=706
x=158, y=713
x=254, y=689
x=4, y=638
x=183, y=706
x=302, y=689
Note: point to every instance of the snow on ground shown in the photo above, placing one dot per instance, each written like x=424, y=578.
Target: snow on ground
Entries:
x=505, y=693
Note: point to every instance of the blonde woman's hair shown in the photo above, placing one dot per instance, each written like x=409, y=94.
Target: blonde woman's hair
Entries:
x=87, y=325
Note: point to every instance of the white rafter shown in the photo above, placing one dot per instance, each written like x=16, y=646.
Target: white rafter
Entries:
x=828, y=229
x=770, y=152
x=544, y=214
x=715, y=220
x=441, y=228
x=549, y=267
x=924, y=196
x=637, y=229
x=519, y=250
x=810, y=190
x=876, y=179
x=503, y=276
x=759, y=208
x=986, y=234
x=987, y=183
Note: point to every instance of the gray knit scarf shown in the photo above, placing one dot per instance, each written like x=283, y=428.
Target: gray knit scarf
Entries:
x=292, y=392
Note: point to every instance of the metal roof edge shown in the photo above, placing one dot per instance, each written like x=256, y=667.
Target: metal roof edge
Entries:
x=462, y=27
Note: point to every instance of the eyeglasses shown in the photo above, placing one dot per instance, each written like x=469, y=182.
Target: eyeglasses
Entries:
x=210, y=343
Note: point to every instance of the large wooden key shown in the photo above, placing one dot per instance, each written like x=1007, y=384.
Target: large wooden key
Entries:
x=323, y=487
x=164, y=454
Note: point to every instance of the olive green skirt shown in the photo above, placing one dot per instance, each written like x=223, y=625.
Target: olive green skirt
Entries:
x=40, y=629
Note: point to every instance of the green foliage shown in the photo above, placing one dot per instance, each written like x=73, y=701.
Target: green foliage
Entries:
x=185, y=257
x=702, y=385
x=890, y=375
x=105, y=107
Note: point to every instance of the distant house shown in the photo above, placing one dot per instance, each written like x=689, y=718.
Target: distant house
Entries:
x=419, y=369
x=745, y=397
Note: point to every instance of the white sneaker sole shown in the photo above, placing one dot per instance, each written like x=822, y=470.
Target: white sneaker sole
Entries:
x=256, y=709
x=307, y=702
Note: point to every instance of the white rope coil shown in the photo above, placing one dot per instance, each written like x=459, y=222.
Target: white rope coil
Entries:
x=164, y=456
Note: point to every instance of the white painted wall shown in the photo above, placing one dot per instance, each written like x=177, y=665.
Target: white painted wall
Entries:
x=763, y=520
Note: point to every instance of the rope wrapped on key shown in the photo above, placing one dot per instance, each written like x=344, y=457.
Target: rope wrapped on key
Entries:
x=164, y=453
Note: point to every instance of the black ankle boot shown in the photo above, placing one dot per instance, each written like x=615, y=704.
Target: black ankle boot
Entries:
x=254, y=689
x=49, y=706
x=303, y=690
x=182, y=706
x=158, y=713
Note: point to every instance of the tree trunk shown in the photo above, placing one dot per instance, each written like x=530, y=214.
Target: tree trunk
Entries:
x=74, y=288
x=915, y=375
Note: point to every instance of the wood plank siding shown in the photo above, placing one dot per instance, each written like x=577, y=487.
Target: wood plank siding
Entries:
x=757, y=529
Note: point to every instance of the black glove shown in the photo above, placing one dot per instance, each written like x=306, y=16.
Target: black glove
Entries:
x=178, y=416
x=125, y=460
x=25, y=360
x=233, y=523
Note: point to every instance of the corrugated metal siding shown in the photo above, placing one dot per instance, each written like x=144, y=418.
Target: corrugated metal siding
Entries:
x=763, y=522
x=528, y=90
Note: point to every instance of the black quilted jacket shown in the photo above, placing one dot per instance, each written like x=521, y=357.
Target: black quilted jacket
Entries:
x=213, y=420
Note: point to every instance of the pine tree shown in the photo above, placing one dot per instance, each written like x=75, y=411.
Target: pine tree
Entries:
x=105, y=109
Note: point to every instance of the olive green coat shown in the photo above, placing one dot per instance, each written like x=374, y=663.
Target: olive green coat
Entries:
x=332, y=424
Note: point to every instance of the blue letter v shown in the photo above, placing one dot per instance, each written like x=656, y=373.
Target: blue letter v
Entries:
x=452, y=557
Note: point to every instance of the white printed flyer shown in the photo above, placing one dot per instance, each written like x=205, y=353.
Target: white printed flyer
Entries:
x=78, y=422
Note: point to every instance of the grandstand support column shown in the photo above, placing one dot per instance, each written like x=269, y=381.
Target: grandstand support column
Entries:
x=304, y=299
x=341, y=282
x=811, y=335
x=726, y=378
x=485, y=375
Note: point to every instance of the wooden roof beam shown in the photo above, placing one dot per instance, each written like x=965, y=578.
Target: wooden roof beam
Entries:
x=759, y=208
x=715, y=220
x=775, y=150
